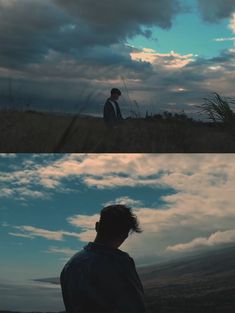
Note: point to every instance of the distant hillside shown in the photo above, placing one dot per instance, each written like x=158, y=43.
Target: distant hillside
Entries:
x=203, y=283
x=45, y=132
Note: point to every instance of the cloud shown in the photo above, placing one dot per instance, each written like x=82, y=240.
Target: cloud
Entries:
x=21, y=235
x=170, y=60
x=30, y=41
x=66, y=251
x=215, y=10
x=83, y=221
x=125, y=200
x=218, y=238
x=86, y=225
x=123, y=19
x=199, y=199
x=232, y=23
x=6, y=193
x=7, y=155
x=22, y=193
x=73, y=28
x=224, y=39
x=202, y=200
x=106, y=171
x=232, y=27
x=32, y=232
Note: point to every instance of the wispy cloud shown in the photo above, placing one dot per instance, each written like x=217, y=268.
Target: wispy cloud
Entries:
x=32, y=232
x=225, y=39
x=6, y=193
x=66, y=251
x=21, y=235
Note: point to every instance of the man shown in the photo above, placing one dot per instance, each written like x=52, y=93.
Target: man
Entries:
x=102, y=278
x=112, y=112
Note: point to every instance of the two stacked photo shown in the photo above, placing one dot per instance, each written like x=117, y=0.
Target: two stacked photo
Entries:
x=117, y=156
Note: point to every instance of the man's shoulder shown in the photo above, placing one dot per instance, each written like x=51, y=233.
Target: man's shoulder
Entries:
x=108, y=102
x=84, y=258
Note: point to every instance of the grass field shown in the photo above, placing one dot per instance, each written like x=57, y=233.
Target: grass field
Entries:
x=46, y=132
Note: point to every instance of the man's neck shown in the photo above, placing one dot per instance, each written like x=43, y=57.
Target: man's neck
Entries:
x=106, y=243
x=112, y=99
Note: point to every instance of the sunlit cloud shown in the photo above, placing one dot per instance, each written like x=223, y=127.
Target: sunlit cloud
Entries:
x=171, y=60
x=232, y=23
x=83, y=221
x=218, y=238
x=32, y=232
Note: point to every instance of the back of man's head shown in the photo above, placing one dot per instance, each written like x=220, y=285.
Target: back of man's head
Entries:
x=117, y=221
x=116, y=91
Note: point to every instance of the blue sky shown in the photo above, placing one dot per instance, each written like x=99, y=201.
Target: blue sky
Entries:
x=48, y=209
x=188, y=35
x=50, y=203
x=171, y=53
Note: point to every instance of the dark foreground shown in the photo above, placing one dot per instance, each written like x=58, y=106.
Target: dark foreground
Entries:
x=44, y=132
x=201, y=284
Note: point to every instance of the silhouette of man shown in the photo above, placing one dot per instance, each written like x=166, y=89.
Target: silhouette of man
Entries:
x=112, y=113
x=102, y=278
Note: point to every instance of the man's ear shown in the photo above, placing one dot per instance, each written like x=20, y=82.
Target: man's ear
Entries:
x=96, y=226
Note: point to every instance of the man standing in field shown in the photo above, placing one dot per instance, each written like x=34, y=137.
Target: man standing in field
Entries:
x=101, y=278
x=112, y=112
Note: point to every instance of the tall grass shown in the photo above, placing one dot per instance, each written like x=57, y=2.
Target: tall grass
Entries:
x=70, y=130
x=218, y=109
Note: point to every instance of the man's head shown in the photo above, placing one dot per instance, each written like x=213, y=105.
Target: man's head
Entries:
x=115, y=93
x=116, y=223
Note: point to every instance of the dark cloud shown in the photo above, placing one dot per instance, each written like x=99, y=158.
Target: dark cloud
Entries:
x=215, y=10
x=29, y=29
x=116, y=20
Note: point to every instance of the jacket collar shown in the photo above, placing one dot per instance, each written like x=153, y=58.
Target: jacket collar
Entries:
x=100, y=247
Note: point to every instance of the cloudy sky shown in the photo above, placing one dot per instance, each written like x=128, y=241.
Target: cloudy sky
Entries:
x=168, y=54
x=50, y=203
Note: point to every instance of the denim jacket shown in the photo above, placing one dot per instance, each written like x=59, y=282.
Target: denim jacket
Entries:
x=100, y=279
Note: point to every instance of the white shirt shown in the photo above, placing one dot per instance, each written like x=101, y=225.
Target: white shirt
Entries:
x=114, y=106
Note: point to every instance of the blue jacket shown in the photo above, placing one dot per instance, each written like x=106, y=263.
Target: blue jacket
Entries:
x=101, y=279
x=112, y=116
